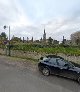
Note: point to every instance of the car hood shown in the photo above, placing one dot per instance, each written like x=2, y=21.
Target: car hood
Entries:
x=77, y=69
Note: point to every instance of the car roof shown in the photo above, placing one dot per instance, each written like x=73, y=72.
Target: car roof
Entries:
x=54, y=56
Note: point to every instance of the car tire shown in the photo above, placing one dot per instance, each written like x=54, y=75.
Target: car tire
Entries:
x=79, y=80
x=46, y=71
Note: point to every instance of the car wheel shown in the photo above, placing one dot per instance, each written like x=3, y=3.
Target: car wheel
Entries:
x=79, y=80
x=46, y=71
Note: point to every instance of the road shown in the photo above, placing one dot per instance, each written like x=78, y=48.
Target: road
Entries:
x=16, y=79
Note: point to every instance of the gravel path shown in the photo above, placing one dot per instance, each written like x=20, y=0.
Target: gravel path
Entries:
x=18, y=62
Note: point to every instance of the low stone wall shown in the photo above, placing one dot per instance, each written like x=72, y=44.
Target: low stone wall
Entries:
x=26, y=54
x=74, y=58
x=35, y=55
x=2, y=51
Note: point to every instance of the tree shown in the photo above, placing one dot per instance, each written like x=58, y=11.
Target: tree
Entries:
x=50, y=40
x=75, y=38
x=3, y=35
x=3, y=38
x=16, y=39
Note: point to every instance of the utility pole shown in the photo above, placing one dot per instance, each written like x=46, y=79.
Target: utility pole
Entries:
x=9, y=42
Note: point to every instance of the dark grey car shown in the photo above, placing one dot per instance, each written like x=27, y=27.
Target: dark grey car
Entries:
x=59, y=66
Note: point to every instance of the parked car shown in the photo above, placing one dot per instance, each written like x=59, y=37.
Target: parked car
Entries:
x=59, y=66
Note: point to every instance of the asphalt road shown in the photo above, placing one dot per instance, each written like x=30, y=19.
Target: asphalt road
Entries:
x=15, y=79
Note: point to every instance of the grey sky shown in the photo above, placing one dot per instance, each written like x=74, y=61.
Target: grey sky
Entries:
x=28, y=17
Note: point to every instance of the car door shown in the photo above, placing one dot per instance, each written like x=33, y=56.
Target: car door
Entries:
x=72, y=73
x=66, y=69
x=54, y=66
x=61, y=67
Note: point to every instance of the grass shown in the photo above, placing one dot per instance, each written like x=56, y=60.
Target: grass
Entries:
x=15, y=58
x=53, y=50
x=46, y=49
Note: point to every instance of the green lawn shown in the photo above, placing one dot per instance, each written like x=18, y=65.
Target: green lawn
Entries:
x=53, y=50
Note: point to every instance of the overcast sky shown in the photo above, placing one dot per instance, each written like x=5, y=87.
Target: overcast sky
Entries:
x=28, y=18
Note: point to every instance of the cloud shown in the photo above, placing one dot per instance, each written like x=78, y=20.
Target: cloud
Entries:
x=29, y=19
x=11, y=13
x=59, y=27
x=56, y=28
x=28, y=31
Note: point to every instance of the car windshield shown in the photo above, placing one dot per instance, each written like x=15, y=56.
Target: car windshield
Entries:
x=69, y=63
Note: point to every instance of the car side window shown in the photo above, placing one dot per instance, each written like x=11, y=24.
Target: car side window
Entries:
x=61, y=62
x=53, y=61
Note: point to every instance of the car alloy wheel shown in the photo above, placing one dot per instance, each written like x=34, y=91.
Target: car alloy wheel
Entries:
x=79, y=80
x=46, y=71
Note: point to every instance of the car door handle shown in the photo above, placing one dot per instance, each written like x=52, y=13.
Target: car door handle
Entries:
x=61, y=68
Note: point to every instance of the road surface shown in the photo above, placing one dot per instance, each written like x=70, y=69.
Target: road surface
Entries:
x=16, y=79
